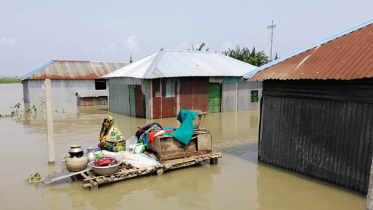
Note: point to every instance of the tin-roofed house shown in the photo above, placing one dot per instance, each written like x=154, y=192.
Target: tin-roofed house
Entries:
x=317, y=109
x=67, y=78
x=165, y=82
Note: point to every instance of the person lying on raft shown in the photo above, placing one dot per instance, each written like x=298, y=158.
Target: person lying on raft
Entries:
x=111, y=138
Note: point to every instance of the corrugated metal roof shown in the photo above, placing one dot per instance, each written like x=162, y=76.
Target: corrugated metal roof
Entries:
x=91, y=93
x=177, y=63
x=343, y=56
x=57, y=69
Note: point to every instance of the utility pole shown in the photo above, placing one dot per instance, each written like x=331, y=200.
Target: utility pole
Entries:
x=48, y=103
x=271, y=27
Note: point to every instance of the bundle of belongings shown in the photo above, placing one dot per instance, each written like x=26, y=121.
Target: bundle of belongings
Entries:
x=183, y=134
x=147, y=133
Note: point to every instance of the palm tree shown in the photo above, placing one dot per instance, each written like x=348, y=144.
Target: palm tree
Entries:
x=252, y=57
x=200, y=47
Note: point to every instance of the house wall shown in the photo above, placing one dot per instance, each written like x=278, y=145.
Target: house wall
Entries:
x=63, y=91
x=92, y=101
x=119, y=95
x=319, y=128
x=163, y=104
x=194, y=93
x=236, y=96
x=189, y=93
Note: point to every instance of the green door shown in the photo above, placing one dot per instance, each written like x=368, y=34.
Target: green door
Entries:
x=214, y=97
x=132, y=100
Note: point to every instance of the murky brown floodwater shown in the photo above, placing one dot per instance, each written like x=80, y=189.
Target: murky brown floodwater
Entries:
x=237, y=182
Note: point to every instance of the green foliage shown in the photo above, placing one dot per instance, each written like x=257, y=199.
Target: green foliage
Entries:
x=252, y=57
x=200, y=47
x=131, y=58
x=36, y=178
x=9, y=80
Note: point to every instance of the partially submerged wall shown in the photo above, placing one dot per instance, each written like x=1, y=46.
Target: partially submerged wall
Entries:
x=319, y=128
x=236, y=96
x=119, y=95
x=63, y=91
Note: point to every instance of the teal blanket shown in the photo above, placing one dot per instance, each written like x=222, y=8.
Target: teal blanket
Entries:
x=186, y=129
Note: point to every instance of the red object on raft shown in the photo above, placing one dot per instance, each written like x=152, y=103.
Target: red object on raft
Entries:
x=104, y=162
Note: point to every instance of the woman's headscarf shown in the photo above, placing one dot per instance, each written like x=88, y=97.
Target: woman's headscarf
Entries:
x=111, y=121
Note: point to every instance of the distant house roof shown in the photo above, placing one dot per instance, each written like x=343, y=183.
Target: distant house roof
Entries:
x=91, y=93
x=57, y=69
x=344, y=56
x=177, y=63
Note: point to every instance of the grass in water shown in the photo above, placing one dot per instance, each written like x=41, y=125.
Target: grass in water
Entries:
x=9, y=80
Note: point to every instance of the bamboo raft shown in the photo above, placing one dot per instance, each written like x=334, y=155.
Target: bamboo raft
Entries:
x=92, y=181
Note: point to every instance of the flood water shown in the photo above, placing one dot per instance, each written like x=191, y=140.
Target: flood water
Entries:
x=238, y=181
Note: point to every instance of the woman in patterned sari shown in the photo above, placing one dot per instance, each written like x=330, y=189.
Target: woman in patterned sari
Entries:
x=110, y=137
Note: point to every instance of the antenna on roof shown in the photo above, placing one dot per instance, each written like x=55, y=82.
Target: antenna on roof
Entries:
x=271, y=27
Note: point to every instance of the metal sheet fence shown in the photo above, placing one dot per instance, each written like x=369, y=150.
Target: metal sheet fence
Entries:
x=329, y=140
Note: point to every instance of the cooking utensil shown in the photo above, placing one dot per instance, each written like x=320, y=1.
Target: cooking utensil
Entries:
x=105, y=170
x=76, y=151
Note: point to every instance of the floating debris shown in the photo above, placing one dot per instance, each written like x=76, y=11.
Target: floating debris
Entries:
x=36, y=178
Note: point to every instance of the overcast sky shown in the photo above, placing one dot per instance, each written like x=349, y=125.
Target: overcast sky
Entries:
x=34, y=32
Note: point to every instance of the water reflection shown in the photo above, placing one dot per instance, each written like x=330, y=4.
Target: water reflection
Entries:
x=190, y=188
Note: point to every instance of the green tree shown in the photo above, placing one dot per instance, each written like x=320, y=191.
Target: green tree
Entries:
x=131, y=58
x=200, y=47
x=244, y=54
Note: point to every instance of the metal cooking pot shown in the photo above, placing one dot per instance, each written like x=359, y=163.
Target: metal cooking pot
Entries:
x=76, y=151
x=105, y=170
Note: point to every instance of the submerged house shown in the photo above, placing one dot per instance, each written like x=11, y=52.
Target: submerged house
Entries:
x=317, y=109
x=67, y=78
x=165, y=82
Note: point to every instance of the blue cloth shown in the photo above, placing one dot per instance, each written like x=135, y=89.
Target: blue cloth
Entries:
x=185, y=132
x=146, y=141
x=145, y=136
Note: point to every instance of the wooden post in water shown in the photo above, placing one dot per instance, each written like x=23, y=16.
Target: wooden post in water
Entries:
x=48, y=101
x=369, y=203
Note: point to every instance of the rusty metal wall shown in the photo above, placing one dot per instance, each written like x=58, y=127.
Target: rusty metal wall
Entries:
x=157, y=98
x=194, y=93
x=140, y=102
x=236, y=96
x=168, y=102
x=329, y=140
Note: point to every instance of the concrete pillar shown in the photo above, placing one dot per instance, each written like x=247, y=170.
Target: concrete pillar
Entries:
x=369, y=203
x=48, y=103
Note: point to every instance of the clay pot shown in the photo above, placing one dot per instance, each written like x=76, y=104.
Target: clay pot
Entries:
x=76, y=163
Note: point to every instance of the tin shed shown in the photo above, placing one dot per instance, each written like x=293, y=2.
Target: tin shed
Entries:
x=163, y=83
x=67, y=78
x=317, y=109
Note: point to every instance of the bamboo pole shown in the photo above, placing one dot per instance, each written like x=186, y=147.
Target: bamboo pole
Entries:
x=48, y=101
